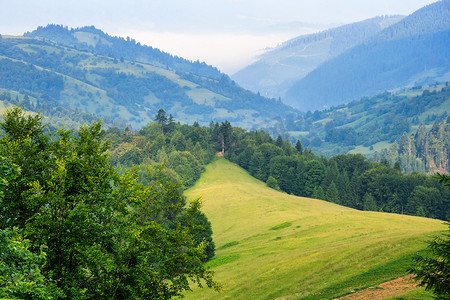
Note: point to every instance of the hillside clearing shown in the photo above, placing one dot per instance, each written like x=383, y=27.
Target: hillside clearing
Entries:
x=327, y=250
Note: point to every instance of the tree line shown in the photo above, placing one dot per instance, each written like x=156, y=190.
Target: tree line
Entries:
x=93, y=214
x=426, y=152
x=346, y=179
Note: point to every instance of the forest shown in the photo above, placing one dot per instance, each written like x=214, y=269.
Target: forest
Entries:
x=73, y=227
x=384, y=118
x=347, y=179
x=425, y=151
x=101, y=214
x=127, y=80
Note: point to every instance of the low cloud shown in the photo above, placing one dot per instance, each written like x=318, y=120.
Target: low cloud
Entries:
x=226, y=51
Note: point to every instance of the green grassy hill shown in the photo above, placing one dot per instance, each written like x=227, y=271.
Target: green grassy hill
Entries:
x=271, y=245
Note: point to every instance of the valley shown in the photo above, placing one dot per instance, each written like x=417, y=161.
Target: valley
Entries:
x=318, y=171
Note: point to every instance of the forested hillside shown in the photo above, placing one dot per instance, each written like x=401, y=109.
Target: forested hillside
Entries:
x=54, y=117
x=411, y=52
x=278, y=69
x=425, y=151
x=372, y=124
x=112, y=77
x=96, y=41
x=350, y=180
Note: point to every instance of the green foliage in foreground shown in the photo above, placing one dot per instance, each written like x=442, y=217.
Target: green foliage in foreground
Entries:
x=328, y=251
x=90, y=233
x=19, y=269
x=432, y=268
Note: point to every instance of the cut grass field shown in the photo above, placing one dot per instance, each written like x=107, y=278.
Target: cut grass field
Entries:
x=271, y=245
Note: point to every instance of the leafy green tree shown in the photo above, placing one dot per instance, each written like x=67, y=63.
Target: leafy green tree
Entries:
x=424, y=199
x=314, y=174
x=284, y=170
x=245, y=157
x=268, y=151
x=202, y=231
x=256, y=165
x=272, y=183
x=186, y=166
x=105, y=236
x=178, y=141
x=20, y=273
x=24, y=142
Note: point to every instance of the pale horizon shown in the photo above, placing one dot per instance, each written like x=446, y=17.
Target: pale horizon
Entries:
x=228, y=34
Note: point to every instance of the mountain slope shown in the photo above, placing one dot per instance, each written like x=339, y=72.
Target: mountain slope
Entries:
x=62, y=67
x=272, y=245
x=276, y=70
x=371, y=124
x=94, y=40
x=411, y=52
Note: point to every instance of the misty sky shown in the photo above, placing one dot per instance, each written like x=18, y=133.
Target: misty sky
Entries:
x=225, y=33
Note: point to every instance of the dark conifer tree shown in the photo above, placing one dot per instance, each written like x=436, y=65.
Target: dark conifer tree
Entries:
x=299, y=146
x=161, y=119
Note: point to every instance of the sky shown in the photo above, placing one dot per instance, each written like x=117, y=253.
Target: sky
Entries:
x=228, y=34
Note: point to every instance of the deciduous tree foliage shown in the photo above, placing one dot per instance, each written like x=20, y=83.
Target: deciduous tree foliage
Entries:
x=102, y=236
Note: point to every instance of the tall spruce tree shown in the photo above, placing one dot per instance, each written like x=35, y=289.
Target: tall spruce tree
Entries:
x=161, y=119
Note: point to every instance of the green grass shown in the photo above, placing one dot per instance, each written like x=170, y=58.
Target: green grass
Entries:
x=230, y=244
x=281, y=226
x=327, y=251
x=366, y=150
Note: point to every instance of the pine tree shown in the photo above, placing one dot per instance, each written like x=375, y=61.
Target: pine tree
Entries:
x=279, y=141
x=161, y=119
x=369, y=202
x=318, y=193
x=299, y=147
x=332, y=193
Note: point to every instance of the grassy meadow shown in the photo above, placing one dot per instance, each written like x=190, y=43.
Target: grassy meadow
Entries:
x=271, y=245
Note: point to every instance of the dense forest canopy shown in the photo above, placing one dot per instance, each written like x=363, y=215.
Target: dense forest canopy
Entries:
x=72, y=227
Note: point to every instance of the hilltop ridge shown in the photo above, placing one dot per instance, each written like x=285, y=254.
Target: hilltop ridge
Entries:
x=412, y=52
x=277, y=70
x=118, y=78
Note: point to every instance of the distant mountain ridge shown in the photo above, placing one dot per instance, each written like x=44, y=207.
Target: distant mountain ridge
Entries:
x=276, y=70
x=96, y=41
x=414, y=51
x=88, y=70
